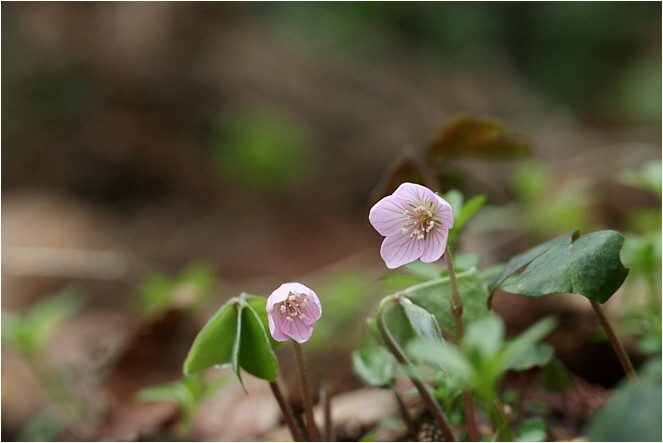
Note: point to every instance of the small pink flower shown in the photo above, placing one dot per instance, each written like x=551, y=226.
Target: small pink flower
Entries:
x=415, y=222
x=292, y=311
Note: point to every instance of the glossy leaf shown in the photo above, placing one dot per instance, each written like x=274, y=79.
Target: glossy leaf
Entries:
x=434, y=296
x=215, y=342
x=589, y=266
x=526, y=257
x=255, y=351
x=476, y=137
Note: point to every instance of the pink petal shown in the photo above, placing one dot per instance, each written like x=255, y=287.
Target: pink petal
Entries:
x=445, y=212
x=400, y=249
x=435, y=245
x=297, y=330
x=386, y=216
x=276, y=331
x=414, y=193
x=312, y=312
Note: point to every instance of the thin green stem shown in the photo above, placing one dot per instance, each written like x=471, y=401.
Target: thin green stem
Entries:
x=457, y=313
x=616, y=343
x=500, y=423
x=286, y=410
x=306, y=393
x=430, y=402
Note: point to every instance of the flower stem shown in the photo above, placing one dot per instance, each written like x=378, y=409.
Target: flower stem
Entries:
x=616, y=343
x=430, y=402
x=325, y=400
x=457, y=314
x=306, y=393
x=286, y=410
x=405, y=415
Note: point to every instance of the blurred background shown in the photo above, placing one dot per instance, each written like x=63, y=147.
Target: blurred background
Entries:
x=159, y=158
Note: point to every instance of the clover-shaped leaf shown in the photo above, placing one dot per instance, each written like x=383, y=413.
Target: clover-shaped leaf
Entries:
x=589, y=265
x=235, y=335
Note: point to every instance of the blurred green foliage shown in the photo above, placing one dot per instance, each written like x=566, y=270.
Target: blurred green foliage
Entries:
x=30, y=331
x=263, y=148
x=188, y=393
x=159, y=292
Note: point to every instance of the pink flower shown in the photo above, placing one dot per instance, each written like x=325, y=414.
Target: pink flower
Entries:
x=292, y=311
x=415, y=222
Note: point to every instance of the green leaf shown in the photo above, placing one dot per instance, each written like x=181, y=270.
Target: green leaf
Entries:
x=469, y=209
x=234, y=355
x=589, y=266
x=485, y=334
x=259, y=306
x=526, y=257
x=255, y=352
x=423, y=322
x=521, y=350
x=397, y=324
x=476, y=137
x=398, y=282
x=632, y=413
x=647, y=177
x=447, y=357
x=434, y=296
x=555, y=377
x=539, y=355
x=214, y=343
x=374, y=364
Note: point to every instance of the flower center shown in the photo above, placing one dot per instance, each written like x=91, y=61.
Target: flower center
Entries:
x=419, y=220
x=292, y=306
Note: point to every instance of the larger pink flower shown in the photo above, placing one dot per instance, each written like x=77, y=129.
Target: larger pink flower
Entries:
x=292, y=311
x=415, y=222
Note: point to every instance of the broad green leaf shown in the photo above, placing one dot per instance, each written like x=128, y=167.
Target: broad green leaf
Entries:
x=485, y=334
x=476, y=137
x=589, y=266
x=374, y=364
x=538, y=355
x=255, y=352
x=397, y=324
x=447, y=357
x=526, y=257
x=423, y=322
x=434, y=296
x=214, y=343
x=631, y=413
x=398, y=282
